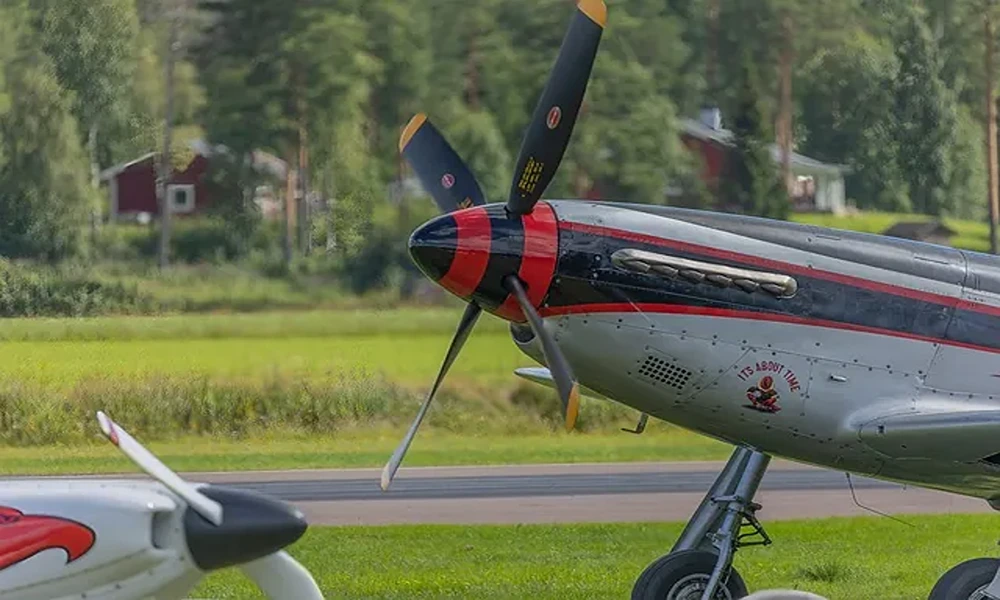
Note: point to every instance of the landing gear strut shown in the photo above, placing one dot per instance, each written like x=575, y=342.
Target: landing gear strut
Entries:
x=699, y=567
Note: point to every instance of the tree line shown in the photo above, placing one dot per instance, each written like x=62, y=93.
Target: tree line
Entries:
x=899, y=91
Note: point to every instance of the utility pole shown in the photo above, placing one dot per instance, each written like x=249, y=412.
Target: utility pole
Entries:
x=175, y=13
x=712, y=55
x=991, y=125
x=305, y=210
x=784, y=125
x=291, y=212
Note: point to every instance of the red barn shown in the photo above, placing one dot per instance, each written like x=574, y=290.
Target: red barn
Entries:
x=132, y=185
x=818, y=186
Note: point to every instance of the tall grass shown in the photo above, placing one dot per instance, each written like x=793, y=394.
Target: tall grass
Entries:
x=280, y=324
x=162, y=408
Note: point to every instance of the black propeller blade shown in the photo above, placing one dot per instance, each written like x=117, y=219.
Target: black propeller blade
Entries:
x=465, y=326
x=442, y=172
x=448, y=179
x=555, y=115
x=569, y=390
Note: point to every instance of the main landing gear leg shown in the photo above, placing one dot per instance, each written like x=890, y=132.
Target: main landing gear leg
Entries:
x=699, y=567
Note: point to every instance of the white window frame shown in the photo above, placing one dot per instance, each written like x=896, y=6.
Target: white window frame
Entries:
x=172, y=190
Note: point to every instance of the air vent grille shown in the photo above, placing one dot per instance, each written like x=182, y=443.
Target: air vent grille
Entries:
x=662, y=372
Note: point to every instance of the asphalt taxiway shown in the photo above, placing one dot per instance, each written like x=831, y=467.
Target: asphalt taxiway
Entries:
x=574, y=493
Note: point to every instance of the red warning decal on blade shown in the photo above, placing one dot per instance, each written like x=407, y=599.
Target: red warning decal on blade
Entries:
x=23, y=536
x=555, y=115
x=447, y=180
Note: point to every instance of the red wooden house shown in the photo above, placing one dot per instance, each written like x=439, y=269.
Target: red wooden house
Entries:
x=131, y=185
x=818, y=186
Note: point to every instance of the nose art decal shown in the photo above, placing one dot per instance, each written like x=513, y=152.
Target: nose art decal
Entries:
x=472, y=252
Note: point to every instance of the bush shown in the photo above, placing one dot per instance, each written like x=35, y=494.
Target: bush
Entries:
x=25, y=293
x=192, y=240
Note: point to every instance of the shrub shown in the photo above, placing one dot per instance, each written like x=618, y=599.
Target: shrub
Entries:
x=28, y=293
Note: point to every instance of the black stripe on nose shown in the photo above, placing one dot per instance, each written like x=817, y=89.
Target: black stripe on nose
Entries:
x=506, y=251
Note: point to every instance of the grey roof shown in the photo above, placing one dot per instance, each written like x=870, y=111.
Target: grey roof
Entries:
x=918, y=230
x=800, y=162
x=268, y=162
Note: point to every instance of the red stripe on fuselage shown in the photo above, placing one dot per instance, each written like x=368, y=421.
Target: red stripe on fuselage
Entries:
x=472, y=252
x=705, y=311
x=783, y=267
x=538, y=261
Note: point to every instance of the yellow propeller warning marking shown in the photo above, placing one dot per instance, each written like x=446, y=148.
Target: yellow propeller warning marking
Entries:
x=411, y=128
x=572, y=407
x=595, y=10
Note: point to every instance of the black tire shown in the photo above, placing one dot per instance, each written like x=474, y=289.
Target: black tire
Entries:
x=962, y=581
x=689, y=568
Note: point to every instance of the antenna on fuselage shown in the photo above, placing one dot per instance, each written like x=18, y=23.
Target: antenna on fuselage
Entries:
x=850, y=484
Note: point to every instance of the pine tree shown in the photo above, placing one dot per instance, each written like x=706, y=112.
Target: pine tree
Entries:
x=753, y=184
x=44, y=191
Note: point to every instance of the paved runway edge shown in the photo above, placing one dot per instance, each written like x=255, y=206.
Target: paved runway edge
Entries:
x=568, y=493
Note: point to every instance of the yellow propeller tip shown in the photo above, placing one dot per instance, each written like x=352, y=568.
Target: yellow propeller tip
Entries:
x=596, y=11
x=411, y=128
x=572, y=407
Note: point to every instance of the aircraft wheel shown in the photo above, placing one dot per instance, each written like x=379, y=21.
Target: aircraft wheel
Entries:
x=684, y=576
x=966, y=581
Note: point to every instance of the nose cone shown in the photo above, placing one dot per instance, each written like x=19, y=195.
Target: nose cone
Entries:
x=253, y=526
x=433, y=244
x=471, y=252
x=454, y=249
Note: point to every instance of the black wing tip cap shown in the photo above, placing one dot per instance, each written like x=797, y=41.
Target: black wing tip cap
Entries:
x=596, y=11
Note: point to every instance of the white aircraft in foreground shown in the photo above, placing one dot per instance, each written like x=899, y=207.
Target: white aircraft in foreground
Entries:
x=94, y=539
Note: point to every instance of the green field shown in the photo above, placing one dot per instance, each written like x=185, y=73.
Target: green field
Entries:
x=286, y=390
x=404, y=345
x=841, y=559
x=969, y=235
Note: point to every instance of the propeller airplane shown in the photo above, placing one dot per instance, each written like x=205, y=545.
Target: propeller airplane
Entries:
x=855, y=352
x=102, y=539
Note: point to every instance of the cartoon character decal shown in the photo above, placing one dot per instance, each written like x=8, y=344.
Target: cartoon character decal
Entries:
x=768, y=374
x=23, y=536
x=763, y=396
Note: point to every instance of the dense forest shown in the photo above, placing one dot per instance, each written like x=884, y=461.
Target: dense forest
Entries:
x=896, y=90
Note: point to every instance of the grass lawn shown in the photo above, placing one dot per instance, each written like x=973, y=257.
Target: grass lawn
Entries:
x=841, y=559
x=405, y=345
x=969, y=235
x=488, y=357
x=372, y=448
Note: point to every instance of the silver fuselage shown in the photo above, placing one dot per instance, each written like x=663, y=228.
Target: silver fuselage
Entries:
x=877, y=328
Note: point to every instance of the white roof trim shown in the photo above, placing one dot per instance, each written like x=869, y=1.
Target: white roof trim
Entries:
x=110, y=172
x=259, y=158
x=800, y=162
